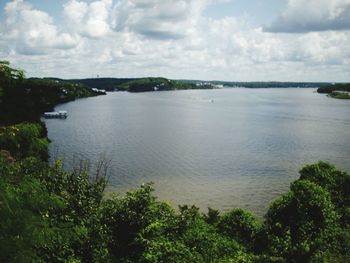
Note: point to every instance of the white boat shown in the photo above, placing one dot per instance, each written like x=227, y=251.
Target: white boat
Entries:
x=62, y=114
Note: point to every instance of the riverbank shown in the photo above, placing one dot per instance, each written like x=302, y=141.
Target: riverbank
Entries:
x=337, y=91
x=26, y=99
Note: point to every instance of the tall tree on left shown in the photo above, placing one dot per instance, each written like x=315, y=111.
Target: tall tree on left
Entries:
x=8, y=76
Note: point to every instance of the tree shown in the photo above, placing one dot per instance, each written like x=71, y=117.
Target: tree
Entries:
x=240, y=225
x=8, y=76
x=336, y=182
x=301, y=223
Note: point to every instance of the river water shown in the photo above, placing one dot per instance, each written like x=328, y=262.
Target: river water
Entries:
x=221, y=148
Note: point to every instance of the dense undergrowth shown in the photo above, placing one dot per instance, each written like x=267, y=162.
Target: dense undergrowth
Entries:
x=51, y=215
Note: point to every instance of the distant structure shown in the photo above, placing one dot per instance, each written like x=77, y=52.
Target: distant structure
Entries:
x=101, y=91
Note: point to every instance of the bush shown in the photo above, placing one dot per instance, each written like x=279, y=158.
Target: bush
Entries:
x=24, y=140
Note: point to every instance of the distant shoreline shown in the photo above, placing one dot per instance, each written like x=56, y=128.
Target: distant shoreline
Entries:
x=337, y=91
x=150, y=83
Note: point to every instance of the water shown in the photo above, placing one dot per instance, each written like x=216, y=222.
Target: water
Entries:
x=220, y=148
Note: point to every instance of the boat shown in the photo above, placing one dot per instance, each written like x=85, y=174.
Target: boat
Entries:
x=62, y=114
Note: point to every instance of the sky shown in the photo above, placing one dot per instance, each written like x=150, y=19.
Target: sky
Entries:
x=231, y=40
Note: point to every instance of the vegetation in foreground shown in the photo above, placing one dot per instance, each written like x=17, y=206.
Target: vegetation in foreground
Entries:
x=50, y=215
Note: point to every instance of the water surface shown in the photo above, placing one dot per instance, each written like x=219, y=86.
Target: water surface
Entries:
x=220, y=148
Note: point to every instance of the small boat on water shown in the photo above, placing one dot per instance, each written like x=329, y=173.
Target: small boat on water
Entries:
x=62, y=114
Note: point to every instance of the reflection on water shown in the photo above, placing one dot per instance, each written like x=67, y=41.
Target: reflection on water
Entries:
x=220, y=148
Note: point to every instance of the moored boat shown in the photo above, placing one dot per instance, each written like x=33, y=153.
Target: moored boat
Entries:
x=62, y=114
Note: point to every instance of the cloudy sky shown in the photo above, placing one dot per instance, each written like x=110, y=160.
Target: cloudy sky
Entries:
x=238, y=40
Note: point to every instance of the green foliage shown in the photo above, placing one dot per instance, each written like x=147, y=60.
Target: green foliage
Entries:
x=340, y=95
x=25, y=206
x=168, y=251
x=142, y=229
x=205, y=241
x=49, y=215
x=21, y=229
x=301, y=223
x=24, y=140
x=336, y=182
x=240, y=225
x=134, y=219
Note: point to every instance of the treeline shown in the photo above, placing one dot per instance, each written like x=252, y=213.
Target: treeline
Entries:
x=334, y=87
x=158, y=84
x=339, y=91
x=148, y=84
x=272, y=84
x=140, y=84
x=109, y=84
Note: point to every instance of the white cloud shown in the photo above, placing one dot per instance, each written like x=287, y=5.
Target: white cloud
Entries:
x=90, y=20
x=32, y=31
x=167, y=38
x=165, y=19
x=313, y=15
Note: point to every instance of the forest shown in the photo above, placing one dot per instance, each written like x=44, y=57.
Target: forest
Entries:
x=48, y=214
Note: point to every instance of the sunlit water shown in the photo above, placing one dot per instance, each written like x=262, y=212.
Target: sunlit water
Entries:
x=221, y=148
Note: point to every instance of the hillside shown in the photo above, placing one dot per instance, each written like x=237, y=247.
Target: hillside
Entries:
x=109, y=84
x=140, y=84
x=26, y=99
